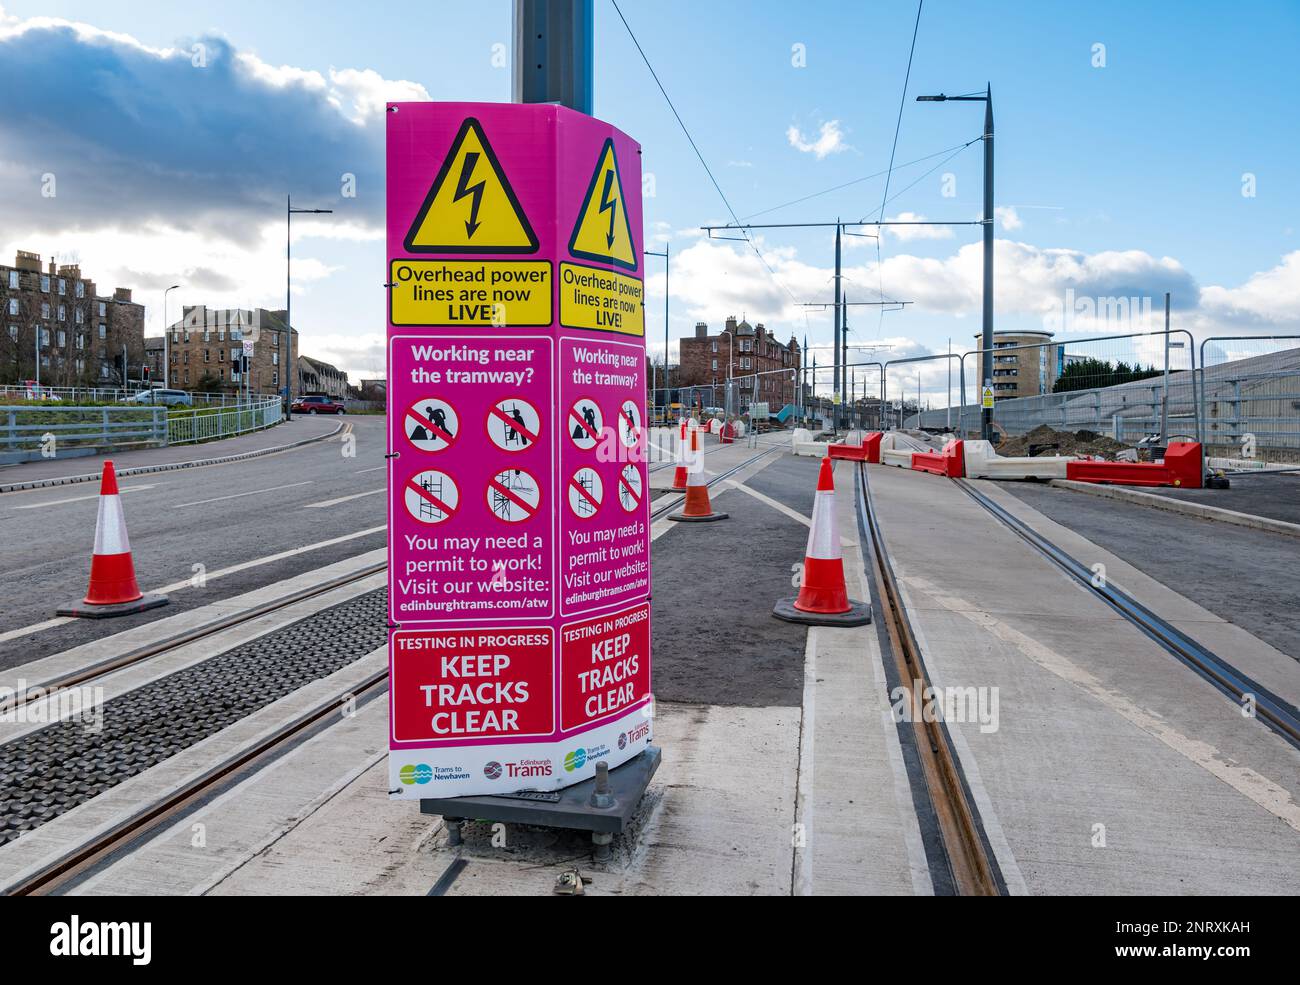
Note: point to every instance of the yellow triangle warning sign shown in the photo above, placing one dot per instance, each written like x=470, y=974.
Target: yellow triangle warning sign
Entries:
x=471, y=207
x=602, y=232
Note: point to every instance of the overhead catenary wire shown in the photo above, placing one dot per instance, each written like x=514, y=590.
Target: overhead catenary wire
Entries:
x=691, y=140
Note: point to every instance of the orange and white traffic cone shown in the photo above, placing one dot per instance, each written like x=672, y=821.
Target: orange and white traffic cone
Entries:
x=113, y=589
x=683, y=457
x=697, y=506
x=823, y=598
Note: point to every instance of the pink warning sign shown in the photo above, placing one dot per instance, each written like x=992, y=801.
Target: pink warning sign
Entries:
x=519, y=560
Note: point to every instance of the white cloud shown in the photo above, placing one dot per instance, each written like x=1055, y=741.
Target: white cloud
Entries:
x=1270, y=296
x=830, y=140
x=909, y=233
x=1008, y=217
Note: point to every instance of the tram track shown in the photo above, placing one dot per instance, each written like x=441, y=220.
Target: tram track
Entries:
x=677, y=501
x=970, y=861
x=1280, y=715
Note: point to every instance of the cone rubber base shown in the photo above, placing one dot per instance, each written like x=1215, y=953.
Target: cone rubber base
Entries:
x=858, y=615
x=84, y=610
x=698, y=519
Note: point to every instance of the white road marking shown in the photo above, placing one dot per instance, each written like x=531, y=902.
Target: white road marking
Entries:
x=1269, y=795
x=364, y=471
x=177, y=586
x=342, y=499
x=78, y=499
x=250, y=492
x=804, y=792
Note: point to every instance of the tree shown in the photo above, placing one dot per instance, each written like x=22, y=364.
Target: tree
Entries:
x=1089, y=373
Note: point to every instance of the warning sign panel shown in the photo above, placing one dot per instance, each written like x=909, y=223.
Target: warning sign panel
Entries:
x=481, y=683
x=471, y=207
x=602, y=231
x=431, y=424
x=601, y=300
x=630, y=488
x=604, y=666
x=499, y=293
x=514, y=424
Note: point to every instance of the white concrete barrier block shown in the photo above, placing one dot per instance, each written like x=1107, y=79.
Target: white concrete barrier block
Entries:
x=812, y=449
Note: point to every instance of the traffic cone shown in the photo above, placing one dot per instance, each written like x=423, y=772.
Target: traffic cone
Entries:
x=823, y=598
x=679, y=476
x=697, y=507
x=113, y=589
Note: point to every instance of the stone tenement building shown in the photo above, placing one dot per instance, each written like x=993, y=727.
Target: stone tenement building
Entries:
x=80, y=333
x=204, y=347
x=318, y=376
x=738, y=352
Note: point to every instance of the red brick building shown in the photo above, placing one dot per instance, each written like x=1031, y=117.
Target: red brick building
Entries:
x=749, y=354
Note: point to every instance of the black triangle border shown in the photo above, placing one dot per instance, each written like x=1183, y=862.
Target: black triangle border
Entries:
x=622, y=202
x=473, y=123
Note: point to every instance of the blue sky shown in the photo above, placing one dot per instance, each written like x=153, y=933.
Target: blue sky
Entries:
x=1123, y=179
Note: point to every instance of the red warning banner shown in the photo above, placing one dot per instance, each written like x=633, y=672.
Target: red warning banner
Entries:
x=604, y=666
x=468, y=684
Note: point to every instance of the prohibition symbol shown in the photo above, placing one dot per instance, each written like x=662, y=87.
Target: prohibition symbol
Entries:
x=629, y=423
x=513, y=424
x=513, y=495
x=431, y=496
x=430, y=424
x=585, y=493
x=584, y=423
x=629, y=488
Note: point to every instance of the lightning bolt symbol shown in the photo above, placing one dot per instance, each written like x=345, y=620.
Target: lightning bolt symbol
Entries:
x=607, y=203
x=464, y=188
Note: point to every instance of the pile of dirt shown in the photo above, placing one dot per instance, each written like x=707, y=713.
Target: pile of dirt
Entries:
x=1067, y=442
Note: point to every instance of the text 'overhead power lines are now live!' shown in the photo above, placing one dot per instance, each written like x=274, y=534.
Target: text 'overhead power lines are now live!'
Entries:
x=519, y=551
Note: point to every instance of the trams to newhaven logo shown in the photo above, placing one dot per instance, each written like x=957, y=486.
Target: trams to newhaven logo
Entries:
x=102, y=939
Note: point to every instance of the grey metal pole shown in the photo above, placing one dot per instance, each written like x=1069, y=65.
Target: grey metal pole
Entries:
x=947, y=417
x=553, y=53
x=844, y=347
x=36, y=331
x=839, y=311
x=986, y=414
x=1164, y=403
x=288, y=306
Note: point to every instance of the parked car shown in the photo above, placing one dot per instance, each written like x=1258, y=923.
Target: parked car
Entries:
x=317, y=403
x=160, y=397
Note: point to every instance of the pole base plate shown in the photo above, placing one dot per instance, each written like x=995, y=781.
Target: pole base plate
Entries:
x=858, y=615
x=84, y=610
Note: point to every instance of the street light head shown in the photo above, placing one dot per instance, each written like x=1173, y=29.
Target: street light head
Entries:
x=932, y=99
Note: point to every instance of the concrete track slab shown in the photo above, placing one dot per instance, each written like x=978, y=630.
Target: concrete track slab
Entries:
x=1096, y=725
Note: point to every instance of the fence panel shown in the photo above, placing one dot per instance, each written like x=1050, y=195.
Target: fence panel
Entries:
x=1250, y=399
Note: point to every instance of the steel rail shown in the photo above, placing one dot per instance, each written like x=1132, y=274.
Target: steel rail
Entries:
x=969, y=858
x=50, y=877
x=678, y=500
x=1279, y=714
x=81, y=675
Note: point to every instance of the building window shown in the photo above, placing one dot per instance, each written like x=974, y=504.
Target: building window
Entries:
x=221, y=356
x=176, y=337
x=185, y=358
x=715, y=348
x=715, y=365
x=103, y=309
x=79, y=316
x=81, y=288
x=187, y=376
x=45, y=336
x=63, y=338
x=45, y=283
x=275, y=378
x=13, y=306
x=45, y=309
x=63, y=286
x=207, y=354
x=13, y=332
x=63, y=313
x=275, y=359
x=81, y=341
x=103, y=331
x=13, y=280
x=103, y=371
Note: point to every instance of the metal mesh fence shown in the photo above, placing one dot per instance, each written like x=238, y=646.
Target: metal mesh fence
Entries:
x=1250, y=399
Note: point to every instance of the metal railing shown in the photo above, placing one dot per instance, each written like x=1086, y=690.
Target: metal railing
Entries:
x=110, y=395
x=29, y=433
x=206, y=424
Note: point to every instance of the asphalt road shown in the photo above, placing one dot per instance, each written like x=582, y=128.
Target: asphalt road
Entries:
x=214, y=516
x=1245, y=576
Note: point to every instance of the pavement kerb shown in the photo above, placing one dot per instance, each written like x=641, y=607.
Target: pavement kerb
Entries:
x=67, y=480
x=1181, y=506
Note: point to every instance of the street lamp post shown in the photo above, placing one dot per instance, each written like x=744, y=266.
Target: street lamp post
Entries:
x=166, y=331
x=664, y=254
x=986, y=362
x=286, y=337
